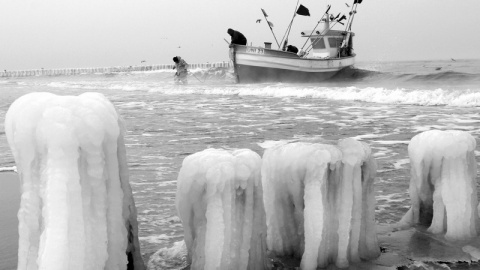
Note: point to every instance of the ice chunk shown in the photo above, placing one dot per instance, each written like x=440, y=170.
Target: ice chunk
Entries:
x=169, y=258
x=473, y=251
x=319, y=202
x=443, y=183
x=219, y=200
x=77, y=209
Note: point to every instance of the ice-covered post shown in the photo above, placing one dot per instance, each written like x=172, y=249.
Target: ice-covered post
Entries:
x=219, y=200
x=77, y=209
x=319, y=202
x=443, y=186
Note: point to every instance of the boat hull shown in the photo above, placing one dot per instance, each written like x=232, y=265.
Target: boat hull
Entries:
x=253, y=74
x=252, y=64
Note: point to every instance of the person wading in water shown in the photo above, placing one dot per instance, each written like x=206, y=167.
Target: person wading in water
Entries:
x=182, y=71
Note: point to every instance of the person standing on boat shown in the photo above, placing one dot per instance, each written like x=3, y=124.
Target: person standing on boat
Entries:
x=237, y=37
x=292, y=49
x=182, y=70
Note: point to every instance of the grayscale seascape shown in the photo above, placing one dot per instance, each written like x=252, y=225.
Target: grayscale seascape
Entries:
x=381, y=103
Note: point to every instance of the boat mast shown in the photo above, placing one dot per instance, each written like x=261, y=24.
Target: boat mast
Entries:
x=270, y=26
x=287, y=32
x=313, y=31
x=348, y=27
x=352, y=15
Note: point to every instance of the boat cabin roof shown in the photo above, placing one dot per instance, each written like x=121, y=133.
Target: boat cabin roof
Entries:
x=330, y=33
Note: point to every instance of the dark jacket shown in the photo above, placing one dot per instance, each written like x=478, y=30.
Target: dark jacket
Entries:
x=181, y=66
x=291, y=48
x=237, y=37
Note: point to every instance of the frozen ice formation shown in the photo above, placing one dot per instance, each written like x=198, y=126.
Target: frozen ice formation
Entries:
x=320, y=203
x=443, y=187
x=219, y=200
x=77, y=210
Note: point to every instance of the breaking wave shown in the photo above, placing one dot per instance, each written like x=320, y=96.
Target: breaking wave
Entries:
x=355, y=74
x=438, y=97
x=426, y=88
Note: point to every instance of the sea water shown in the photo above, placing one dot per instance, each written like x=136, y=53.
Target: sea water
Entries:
x=383, y=104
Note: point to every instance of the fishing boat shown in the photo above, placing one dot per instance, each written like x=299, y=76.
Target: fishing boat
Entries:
x=329, y=52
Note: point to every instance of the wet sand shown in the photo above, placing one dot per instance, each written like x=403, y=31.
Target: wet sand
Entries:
x=9, y=204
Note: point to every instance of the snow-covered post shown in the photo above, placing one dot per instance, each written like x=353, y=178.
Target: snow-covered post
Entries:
x=443, y=186
x=77, y=209
x=219, y=200
x=319, y=202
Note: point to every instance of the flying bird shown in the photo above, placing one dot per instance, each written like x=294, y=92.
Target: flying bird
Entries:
x=259, y=20
x=347, y=5
x=143, y=61
x=453, y=60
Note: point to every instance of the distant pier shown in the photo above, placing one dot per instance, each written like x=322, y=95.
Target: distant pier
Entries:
x=105, y=70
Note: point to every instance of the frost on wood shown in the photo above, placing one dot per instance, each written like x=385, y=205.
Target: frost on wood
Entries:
x=320, y=203
x=77, y=209
x=219, y=200
x=443, y=187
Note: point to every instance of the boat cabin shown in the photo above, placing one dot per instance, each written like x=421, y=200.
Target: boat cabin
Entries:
x=330, y=43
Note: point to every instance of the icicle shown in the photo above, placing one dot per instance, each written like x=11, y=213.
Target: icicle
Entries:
x=319, y=202
x=77, y=209
x=219, y=200
x=443, y=183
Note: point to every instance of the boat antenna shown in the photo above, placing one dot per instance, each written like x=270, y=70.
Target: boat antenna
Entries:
x=352, y=15
x=287, y=32
x=313, y=31
x=270, y=25
x=348, y=27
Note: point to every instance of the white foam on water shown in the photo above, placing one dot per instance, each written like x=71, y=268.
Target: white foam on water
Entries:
x=442, y=127
x=394, y=197
x=309, y=117
x=462, y=121
x=268, y=144
x=391, y=142
x=156, y=239
x=382, y=152
x=8, y=169
x=399, y=163
x=456, y=98
x=162, y=82
x=132, y=105
x=369, y=136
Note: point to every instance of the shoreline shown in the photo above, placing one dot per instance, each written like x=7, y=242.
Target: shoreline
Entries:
x=106, y=70
x=9, y=205
x=400, y=248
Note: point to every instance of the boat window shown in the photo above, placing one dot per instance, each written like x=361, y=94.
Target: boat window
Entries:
x=318, y=43
x=335, y=42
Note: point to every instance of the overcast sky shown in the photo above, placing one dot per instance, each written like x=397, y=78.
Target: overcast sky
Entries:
x=98, y=33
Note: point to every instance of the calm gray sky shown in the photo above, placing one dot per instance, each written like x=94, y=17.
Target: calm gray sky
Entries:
x=97, y=33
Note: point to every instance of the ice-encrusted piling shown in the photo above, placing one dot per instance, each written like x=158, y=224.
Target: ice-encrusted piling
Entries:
x=443, y=186
x=319, y=202
x=77, y=209
x=219, y=200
